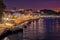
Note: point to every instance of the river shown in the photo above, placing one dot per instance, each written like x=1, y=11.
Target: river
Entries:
x=43, y=29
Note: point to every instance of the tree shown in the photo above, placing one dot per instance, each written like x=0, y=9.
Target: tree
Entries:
x=58, y=13
x=2, y=8
x=48, y=12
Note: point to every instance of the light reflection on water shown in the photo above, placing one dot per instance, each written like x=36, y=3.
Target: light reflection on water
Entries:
x=35, y=31
x=43, y=29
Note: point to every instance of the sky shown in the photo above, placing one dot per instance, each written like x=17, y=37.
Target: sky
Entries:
x=33, y=4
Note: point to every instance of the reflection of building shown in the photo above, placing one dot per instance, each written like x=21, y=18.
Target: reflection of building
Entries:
x=43, y=27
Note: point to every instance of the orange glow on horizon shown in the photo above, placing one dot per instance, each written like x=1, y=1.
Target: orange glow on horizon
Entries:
x=57, y=10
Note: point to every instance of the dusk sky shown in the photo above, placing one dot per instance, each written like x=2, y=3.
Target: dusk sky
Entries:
x=33, y=4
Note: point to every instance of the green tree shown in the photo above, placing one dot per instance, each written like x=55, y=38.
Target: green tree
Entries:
x=2, y=8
